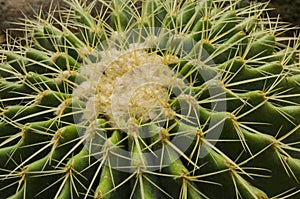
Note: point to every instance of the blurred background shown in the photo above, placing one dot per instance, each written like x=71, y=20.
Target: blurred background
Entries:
x=289, y=10
x=13, y=10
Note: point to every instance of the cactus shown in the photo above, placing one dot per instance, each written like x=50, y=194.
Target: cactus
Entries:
x=151, y=99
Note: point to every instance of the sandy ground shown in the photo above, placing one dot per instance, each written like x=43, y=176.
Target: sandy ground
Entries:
x=14, y=10
x=289, y=10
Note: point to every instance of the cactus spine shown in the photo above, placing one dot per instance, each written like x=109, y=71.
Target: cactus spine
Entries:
x=151, y=99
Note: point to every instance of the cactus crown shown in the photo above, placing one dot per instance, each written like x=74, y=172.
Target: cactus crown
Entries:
x=151, y=99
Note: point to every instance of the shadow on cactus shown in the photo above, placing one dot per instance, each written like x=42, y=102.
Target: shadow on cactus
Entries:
x=151, y=99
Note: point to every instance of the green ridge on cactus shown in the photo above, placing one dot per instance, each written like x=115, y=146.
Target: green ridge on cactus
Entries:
x=151, y=99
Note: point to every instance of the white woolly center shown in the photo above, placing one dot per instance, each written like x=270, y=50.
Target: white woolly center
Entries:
x=132, y=84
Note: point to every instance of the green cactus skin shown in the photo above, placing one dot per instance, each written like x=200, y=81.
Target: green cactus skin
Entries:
x=218, y=115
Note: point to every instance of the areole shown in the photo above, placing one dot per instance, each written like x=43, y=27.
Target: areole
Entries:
x=151, y=99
